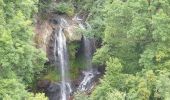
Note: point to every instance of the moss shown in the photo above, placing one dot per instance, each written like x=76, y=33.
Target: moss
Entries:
x=73, y=49
x=52, y=75
x=76, y=58
x=81, y=62
x=76, y=66
x=77, y=63
x=74, y=72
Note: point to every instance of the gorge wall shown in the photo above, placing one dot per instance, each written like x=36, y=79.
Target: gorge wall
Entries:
x=80, y=49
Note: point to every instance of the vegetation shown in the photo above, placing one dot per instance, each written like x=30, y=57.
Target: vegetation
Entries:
x=48, y=6
x=52, y=75
x=81, y=96
x=20, y=61
x=66, y=8
x=135, y=48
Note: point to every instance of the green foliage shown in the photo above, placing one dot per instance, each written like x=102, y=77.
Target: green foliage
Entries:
x=101, y=55
x=74, y=63
x=37, y=96
x=116, y=95
x=12, y=89
x=52, y=75
x=96, y=19
x=20, y=61
x=81, y=96
x=64, y=7
x=17, y=51
x=73, y=49
x=83, y=5
x=136, y=32
x=48, y=6
x=113, y=79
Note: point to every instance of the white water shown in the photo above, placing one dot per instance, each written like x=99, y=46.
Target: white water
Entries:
x=87, y=82
x=61, y=48
x=88, y=53
x=61, y=53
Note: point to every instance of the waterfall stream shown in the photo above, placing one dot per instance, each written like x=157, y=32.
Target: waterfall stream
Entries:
x=60, y=49
x=87, y=82
x=89, y=73
x=61, y=60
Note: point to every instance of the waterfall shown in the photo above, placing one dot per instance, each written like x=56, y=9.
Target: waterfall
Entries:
x=87, y=82
x=88, y=53
x=60, y=49
x=63, y=63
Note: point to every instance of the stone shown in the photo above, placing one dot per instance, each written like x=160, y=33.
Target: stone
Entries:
x=43, y=83
x=72, y=34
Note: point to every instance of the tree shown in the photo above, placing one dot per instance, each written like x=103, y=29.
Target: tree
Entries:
x=20, y=61
x=136, y=34
x=11, y=89
x=18, y=53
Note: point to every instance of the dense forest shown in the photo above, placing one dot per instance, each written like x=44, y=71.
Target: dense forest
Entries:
x=84, y=50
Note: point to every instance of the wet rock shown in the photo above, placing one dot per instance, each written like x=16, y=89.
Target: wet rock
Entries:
x=54, y=87
x=43, y=84
x=55, y=20
x=88, y=80
x=44, y=30
x=53, y=91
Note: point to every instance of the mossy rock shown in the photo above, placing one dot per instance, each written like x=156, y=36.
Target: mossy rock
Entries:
x=53, y=76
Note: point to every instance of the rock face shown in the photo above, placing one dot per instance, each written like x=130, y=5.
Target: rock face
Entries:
x=43, y=84
x=47, y=38
x=44, y=37
x=43, y=32
x=53, y=91
x=71, y=33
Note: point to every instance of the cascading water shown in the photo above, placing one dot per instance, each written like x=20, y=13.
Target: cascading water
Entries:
x=88, y=52
x=89, y=74
x=61, y=48
x=87, y=82
x=63, y=63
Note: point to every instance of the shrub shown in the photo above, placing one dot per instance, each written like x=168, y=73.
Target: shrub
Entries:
x=64, y=8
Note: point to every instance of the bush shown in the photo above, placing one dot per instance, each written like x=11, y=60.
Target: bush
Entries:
x=37, y=96
x=81, y=96
x=65, y=8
